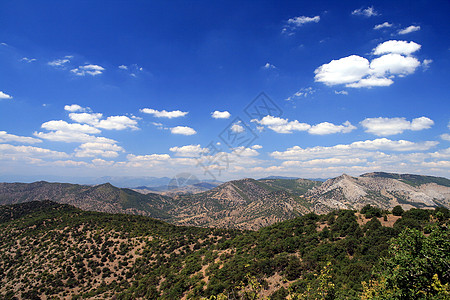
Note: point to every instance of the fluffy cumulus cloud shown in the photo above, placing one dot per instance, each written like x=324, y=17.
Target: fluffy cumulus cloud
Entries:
x=74, y=108
x=445, y=137
x=86, y=127
x=110, y=123
x=356, y=72
x=29, y=152
x=409, y=29
x=4, y=96
x=7, y=138
x=189, y=150
x=330, y=128
x=237, y=128
x=361, y=149
x=86, y=118
x=92, y=70
x=96, y=149
x=164, y=113
x=183, y=130
x=71, y=137
x=117, y=123
x=220, y=114
x=64, y=126
x=366, y=12
x=281, y=125
x=391, y=126
x=397, y=47
x=383, y=25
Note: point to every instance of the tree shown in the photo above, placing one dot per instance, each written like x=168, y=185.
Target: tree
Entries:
x=397, y=210
x=418, y=267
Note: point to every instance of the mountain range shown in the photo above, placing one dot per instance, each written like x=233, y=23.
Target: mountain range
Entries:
x=245, y=203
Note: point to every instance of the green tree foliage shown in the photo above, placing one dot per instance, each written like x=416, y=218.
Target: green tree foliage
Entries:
x=397, y=210
x=418, y=267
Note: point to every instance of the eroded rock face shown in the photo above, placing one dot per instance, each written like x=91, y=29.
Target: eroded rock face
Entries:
x=355, y=192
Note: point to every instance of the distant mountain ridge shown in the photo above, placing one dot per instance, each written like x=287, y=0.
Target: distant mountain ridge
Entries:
x=245, y=203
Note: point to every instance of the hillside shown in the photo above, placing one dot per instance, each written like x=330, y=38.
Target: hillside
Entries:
x=384, y=190
x=247, y=203
x=104, y=197
x=50, y=250
x=244, y=204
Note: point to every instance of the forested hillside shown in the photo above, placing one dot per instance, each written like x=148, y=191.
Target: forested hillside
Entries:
x=49, y=250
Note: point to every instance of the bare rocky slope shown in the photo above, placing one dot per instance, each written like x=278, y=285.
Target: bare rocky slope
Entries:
x=379, y=189
x=246, y=203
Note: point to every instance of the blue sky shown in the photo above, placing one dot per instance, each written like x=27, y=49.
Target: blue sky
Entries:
x=157, y=88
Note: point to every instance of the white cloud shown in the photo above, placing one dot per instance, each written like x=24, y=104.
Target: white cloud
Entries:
x=391, y=126
x=189, y=150
x=281, y=125
x=297, y=22
x=164, y=113
x=123, y=67
x=4, y=96
x=371, y=82
x=149, y=157
x=110, y=123
x=74, y=108
x=256, y=147
x=245, y=152
x=426, y=63
x=341, y=92
x=6, y=137
x=400, y=145
x=345, y=70
x=12, y=152
x=355, y=71
x=269, y=66
x=398, y=47
x=409, y=29
x=71, y=137
x=95, y=149
x=220, y=114
x=28, y=60
x=183, y=130
x=330, y=128
x=300, y=21
x=366, y=12
x=59, y=62
x=302, y=93
x=384, y=25
x=360, y=149
x=237, y=128
x=88, y=69
x=445, y=137
x=117, y=123
x=393, y=64
x=64, y=126
x=87, y=118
